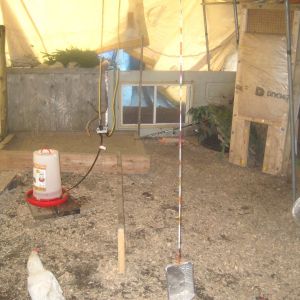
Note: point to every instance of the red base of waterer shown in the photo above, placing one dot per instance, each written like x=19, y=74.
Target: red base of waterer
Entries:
x=48, y=202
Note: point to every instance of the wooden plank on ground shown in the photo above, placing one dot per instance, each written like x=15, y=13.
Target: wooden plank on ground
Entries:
x=78, y=163
x=135, y=164
x=71, y=207
x=6, y=140
x=70, y=162
x=41, y=213
x=5, y=178
x=170, y=141
x=121, y=250
x=121, y=226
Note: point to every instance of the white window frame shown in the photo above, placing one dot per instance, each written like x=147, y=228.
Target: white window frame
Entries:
x=188, y=102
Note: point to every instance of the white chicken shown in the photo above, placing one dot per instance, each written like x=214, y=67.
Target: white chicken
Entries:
x=42, y=285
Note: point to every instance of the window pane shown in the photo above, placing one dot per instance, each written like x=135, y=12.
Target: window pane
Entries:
x=130, y=103
x=167, y=105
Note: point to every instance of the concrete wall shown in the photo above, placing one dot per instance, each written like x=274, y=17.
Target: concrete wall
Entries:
x=58, y=99
x=51, y=99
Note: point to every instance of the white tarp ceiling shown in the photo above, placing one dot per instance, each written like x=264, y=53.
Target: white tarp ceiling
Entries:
x=34, y=27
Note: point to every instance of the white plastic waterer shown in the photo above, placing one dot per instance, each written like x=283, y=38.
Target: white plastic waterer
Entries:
x=46, y=174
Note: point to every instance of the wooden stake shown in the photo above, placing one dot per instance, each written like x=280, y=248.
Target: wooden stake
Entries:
x=206, y=35
x=3, y=92
x=121, y=250
x=121, y=227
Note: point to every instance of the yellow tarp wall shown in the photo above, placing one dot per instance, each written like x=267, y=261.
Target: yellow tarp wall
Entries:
x=37, y=26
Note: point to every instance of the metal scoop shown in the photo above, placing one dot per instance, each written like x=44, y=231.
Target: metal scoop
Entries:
x=180, y=280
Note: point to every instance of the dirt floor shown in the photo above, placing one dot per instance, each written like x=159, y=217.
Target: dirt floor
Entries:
x=238, y=232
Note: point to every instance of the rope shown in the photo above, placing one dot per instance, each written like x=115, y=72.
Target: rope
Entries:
x=178, y=258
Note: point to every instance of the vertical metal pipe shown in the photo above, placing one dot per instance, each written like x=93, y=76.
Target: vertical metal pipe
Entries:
x=236, y=22
x=291, y=101
x=140, y=86
x=178, y=258
x=100, y=90
x=206, y=34
x=3, y=87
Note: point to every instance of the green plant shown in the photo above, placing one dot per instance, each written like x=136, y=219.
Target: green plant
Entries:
x=83, y=58
x=213, y=120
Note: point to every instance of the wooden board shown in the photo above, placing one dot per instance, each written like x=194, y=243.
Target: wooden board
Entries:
x=78, y=163
x=121, y=226
x=5, y=179
x=121, y=250
x=135, y=164
x=261, y=93
x=239, y=142
x=6, y=140
x=71, y=207
x=70, y=162
x=41, y=213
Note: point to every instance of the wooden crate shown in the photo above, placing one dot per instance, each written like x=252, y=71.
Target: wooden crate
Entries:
x=261, y=92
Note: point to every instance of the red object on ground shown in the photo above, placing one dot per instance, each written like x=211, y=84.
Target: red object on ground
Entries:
x=46, y=203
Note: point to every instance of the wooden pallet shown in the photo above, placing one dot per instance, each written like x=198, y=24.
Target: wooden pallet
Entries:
x=261, y=92
x=71, y=207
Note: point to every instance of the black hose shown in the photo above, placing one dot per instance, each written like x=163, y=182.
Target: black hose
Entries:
x=91, y=167
x=154, y=134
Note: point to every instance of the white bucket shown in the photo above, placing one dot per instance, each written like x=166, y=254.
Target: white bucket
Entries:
x=46, y=174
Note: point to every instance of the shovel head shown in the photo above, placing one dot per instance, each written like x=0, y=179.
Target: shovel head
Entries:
x=180, y=280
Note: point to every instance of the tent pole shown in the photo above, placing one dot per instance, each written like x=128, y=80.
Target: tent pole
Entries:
x=236, y=22
x=220, y=3
x=291, y=101
x=140, y=86
x=3, y=94
x=206, y=34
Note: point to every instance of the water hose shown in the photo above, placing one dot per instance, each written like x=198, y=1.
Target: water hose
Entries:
x=101, y=147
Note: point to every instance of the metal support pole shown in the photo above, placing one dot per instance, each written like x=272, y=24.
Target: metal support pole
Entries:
x=236, y=22
x=219, y=3
x=3, y=89
x=140, y=87
x=206, y=35
x=291, y=101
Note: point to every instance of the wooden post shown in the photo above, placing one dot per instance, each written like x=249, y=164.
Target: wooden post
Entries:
x=236, y=22
x=121, y=250
x=140, y=87
x=3, y=93
x=121, y=226
x=206, y=35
